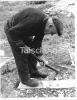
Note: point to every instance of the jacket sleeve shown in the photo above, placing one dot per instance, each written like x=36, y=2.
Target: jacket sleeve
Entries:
x=20, y=43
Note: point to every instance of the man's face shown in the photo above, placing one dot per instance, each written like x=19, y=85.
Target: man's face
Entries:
x=50, y=27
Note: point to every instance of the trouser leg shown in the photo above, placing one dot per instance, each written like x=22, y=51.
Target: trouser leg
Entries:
x=32, y=64
x=32, y=61
x=22, y=65
x=23, y=70
x=21, y=61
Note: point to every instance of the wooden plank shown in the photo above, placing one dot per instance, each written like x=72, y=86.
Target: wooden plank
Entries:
x=6, y=61
x=59, y=83
x=51, y=84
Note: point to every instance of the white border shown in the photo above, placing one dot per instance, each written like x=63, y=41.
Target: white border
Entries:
x=68, y=98
x=25, y=0
x=76, y=44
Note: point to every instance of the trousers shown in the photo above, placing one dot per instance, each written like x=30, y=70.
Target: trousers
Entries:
x=26, y=63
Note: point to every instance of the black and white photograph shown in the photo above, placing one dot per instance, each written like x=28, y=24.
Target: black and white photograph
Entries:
x=37, y=49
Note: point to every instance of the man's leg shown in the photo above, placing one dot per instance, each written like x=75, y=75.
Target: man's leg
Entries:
x=32, y=64
x=22, y=64
x=32, y=61
x=33, y=68
x=23, y=68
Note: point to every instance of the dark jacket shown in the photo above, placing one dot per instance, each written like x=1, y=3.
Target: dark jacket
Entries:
x=27, y=23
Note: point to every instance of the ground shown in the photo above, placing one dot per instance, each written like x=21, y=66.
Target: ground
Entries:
x=57, y=50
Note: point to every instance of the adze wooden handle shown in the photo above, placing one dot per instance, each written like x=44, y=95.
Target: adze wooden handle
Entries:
x=57, y=71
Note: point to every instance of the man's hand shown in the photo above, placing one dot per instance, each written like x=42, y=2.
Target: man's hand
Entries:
x=31, y=38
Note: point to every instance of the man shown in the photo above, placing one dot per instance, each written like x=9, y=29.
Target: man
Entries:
x=27, y=28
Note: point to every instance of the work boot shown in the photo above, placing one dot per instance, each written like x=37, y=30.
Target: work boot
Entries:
x=38, y=75
x=30, y=82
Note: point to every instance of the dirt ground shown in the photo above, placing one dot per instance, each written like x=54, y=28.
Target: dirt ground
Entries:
x=57, y=50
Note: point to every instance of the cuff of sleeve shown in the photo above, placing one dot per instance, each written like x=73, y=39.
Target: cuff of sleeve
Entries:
x=20, y=43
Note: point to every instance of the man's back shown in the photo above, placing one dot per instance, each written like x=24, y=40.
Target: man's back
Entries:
x=26, y=23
